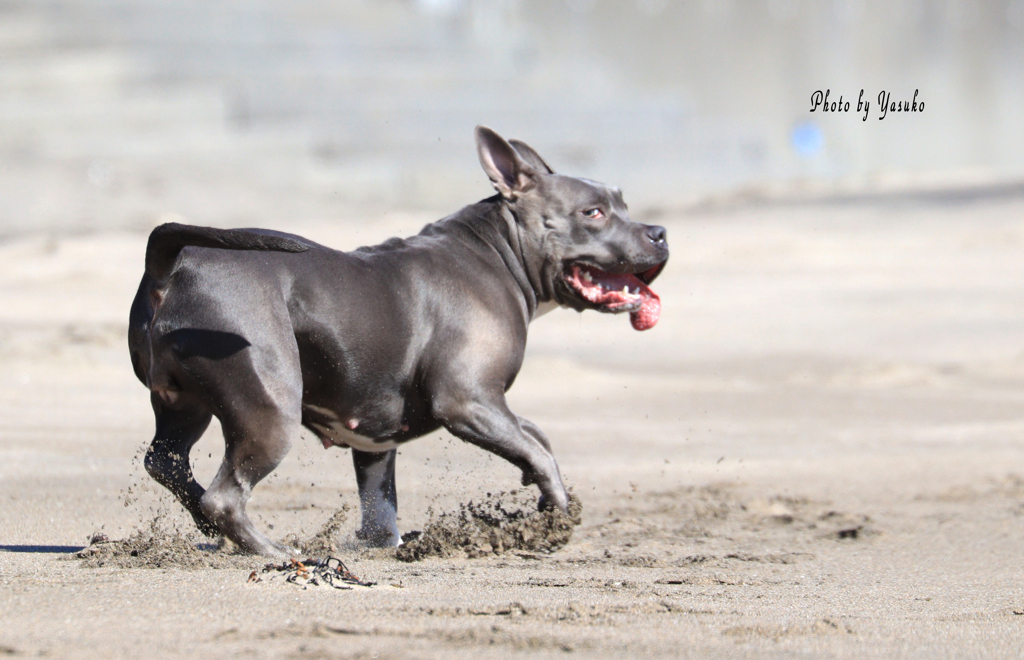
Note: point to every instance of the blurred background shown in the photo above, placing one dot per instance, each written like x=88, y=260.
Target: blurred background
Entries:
x=116, y=114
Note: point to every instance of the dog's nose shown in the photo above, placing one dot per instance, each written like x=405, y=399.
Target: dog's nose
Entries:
x=656, y=234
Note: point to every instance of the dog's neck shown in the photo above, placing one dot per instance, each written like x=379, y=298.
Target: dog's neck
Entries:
x=494, y=225
x=533, y=268
x=524, y=264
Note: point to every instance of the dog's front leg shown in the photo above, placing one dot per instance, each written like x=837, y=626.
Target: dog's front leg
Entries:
x=492, y=426
x=538, y=435
x=378, y=501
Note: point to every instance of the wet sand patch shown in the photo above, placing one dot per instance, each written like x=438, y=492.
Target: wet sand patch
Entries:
x=500, y=523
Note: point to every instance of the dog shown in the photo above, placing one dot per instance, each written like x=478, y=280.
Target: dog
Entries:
x=369, y=349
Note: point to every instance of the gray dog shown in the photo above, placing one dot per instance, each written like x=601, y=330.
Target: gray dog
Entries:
x=372, y=348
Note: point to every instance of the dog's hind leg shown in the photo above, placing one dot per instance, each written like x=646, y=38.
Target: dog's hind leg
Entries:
x=375, y=474
x=254, y=445
x=256, y=395
x=177, y=430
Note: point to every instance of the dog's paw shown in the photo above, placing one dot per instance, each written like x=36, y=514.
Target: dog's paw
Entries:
x=546, y=503
x=379, y=538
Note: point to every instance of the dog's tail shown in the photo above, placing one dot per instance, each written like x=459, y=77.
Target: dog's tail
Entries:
x=167, y=240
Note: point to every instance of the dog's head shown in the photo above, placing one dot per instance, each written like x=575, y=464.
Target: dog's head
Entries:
x=580, y=247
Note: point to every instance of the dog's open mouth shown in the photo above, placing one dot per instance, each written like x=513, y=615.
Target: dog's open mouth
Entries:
x=619, y=292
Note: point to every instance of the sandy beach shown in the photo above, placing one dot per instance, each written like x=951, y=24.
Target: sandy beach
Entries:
x=816, y=453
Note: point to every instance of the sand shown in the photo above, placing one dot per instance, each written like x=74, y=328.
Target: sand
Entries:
x=500, y=523
x=818, y=452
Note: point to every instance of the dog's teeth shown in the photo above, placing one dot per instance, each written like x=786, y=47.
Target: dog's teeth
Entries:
x=625, y=289
x=587, y=277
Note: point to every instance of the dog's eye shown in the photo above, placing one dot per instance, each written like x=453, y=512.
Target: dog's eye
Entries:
x=594, y=214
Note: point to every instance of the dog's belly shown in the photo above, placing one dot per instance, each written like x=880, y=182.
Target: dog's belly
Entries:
x=333, y=430
x=343, y=437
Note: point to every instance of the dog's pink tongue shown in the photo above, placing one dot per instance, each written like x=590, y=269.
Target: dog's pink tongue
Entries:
x=650, y=310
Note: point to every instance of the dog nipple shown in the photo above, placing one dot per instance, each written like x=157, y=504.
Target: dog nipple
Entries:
x=352, y=424
x=405, y=427
x=169, y=397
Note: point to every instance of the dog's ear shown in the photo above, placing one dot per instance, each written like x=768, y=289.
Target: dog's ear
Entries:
x=527, y=153
x=510, y=174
